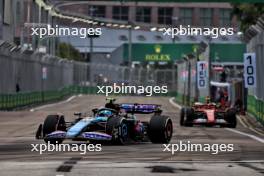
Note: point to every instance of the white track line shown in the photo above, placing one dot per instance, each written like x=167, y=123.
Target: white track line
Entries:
x=228, y=129
x=53, y=104
x=247, y=125
x=138, y=164
x=241, y=121
x=174, y=104
x=210, y=161
x=246, y=134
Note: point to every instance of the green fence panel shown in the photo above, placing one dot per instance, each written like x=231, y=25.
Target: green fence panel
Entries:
x=1, y=101
x=255, y=107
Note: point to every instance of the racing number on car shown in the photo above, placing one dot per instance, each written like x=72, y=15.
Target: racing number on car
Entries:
x=250, y=69
x=202, y=74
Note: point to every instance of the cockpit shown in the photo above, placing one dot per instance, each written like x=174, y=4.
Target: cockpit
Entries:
x=105, y=112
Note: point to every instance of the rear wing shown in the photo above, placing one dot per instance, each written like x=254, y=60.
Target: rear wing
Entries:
x=141, y=108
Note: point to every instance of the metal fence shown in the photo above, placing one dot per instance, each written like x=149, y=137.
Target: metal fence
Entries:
x=21, y=72
x=187, y=90
x=28, y=78
x=256, y=95
x=256, y=45
x=39, y=72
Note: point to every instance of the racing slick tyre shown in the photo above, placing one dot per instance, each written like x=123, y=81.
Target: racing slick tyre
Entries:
x=39, y=132
x=186, y=117
x=231, y=118
x=53, y=123
x=182, y=115
x=160, y=129
x=116, y=127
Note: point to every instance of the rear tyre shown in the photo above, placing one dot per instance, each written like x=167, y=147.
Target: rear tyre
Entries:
x=160, y=129
x=118, y=129
x=231, y=118
x=53, y=123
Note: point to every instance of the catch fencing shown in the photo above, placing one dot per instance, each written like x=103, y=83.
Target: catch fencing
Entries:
x=186, y=90
x=255, y=102
x=20, y=72
x=30, y=78
x=24, y=72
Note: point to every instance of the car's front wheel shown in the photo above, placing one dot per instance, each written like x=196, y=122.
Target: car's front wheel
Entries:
x=53, y=123
x=118, y=129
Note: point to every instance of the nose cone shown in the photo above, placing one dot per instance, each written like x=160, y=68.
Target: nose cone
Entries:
x=77, y=128
x=72, y=134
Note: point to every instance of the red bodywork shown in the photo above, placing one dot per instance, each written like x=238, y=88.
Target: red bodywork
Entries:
x=209, y=110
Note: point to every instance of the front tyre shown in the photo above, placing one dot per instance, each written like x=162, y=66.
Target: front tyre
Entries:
x=160, y=129
x=118, y=129
x=53, y=123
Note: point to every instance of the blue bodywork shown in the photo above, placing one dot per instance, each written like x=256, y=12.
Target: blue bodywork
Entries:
x=77, y=128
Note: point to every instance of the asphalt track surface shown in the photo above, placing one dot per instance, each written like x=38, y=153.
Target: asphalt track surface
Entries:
x=17, y=132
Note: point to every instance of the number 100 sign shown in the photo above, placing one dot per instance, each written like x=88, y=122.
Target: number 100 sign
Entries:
x=250, y=70
x=202, y=74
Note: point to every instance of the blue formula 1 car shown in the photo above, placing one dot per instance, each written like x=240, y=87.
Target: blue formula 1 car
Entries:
x=117, y=125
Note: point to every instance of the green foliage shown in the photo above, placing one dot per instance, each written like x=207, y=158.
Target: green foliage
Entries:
x=67, y=51
x=247, y=13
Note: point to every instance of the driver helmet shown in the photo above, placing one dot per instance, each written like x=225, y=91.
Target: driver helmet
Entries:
x=105, y=113
x=110, y=100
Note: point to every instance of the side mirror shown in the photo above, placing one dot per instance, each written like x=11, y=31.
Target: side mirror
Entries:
x=95, y=110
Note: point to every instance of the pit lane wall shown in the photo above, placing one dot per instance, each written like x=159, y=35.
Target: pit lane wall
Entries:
x=255, y=98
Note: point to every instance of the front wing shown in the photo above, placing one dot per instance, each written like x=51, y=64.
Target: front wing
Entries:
x=98, y=136
x=202, y=118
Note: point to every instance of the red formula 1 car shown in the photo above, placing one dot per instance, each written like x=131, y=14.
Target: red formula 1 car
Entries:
x=208, y=114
